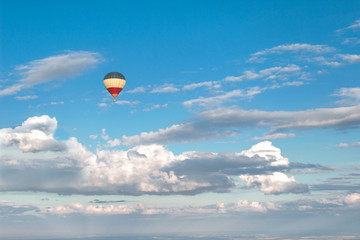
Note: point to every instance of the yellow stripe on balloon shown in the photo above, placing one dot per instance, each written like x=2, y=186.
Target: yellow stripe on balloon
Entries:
x=114, y=82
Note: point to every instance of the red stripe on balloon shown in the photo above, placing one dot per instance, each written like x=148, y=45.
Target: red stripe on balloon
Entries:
x=114, y=90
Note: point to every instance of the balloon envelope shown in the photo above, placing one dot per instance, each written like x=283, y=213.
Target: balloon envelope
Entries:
x=114, y=83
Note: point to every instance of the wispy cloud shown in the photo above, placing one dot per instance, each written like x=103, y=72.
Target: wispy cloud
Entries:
x=296, y=47
x=166, y=88
x=292, y=48
x=208, y=84
x=272, y=136
x=268, y=73
x=30, y=97
x=219, y=99
x=126, y=102
x=346, y=145
x=354, y=26
x=176, y=133
x=138, y=90
x=155, y=106
x=48, y=69
x=342, y=117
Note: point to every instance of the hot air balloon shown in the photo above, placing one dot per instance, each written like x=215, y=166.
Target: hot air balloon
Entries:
x=114, y=83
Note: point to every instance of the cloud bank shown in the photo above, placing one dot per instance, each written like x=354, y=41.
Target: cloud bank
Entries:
x=33, y=160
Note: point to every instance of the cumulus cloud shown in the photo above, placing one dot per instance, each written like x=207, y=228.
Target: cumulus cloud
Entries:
x=35, y=134
x=151, y=169
x=353, y=198
x=275, y=183
x=48, y=69
x=113, y=143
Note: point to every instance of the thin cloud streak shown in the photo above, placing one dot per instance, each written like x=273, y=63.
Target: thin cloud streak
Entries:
x=55, y=67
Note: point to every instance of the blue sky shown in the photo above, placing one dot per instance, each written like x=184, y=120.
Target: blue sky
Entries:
x=237, y=117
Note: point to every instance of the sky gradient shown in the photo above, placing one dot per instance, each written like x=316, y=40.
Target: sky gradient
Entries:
x=237, y=118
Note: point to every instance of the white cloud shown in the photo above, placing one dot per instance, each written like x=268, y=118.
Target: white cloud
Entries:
x=137, y=90
x=253, y=206
x=104, y=135
x=352, y=198
x=353, y=26
x=346, y=145
x=350, y=58
x=150, y=169
x=296, y=47
x=337, y=60
x=352, y=40
x=225, y=122
x=26, y=97
x=93, y=137
x=55, y=67
x=155, y=106
x=272, y=136
x=35, y=134
x=293, y=83
x=275, y=183
x=176, y=133
x=351, y=96
x=93, y=209
x=166, y=88
x=126, y=102
x=102, y=104
x=291, y=48
x=219, y=99
x=267, y=151
x=342, y=117
x=268, y=73
x=208, y=84
x=113, y=143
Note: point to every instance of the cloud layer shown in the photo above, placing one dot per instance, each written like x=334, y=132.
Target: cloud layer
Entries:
x=226, y=122
x=32, y=159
